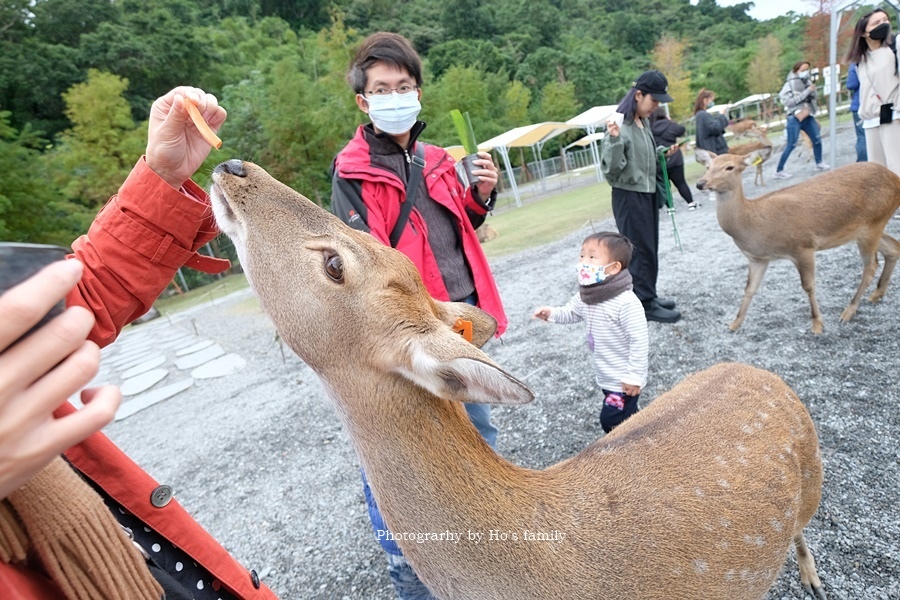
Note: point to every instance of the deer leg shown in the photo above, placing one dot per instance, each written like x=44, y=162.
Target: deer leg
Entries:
x=868, y=251
x=890, y=248
x=809, y=578
x=806, y=265
x=754, y=277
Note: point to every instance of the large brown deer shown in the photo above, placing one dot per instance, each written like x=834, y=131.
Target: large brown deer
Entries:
x=700, y=495
x=852, y=203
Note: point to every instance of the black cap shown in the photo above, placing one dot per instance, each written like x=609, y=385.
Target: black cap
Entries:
x=655, y=84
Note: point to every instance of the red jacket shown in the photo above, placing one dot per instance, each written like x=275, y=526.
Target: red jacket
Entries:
x=358, y=175
x=131, y=253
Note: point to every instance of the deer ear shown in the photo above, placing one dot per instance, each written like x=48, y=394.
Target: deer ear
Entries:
x=704, y=157
x=757, y=157
x=451, y=368
x=483, y=324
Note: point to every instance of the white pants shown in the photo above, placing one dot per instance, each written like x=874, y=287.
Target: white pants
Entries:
x=883, y=145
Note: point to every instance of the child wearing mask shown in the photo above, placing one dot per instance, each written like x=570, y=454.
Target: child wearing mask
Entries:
x=616, y=326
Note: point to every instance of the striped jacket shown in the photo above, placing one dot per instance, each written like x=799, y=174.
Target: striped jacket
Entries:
x=616, y=335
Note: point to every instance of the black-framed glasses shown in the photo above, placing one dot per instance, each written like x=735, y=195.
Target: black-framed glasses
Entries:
x=384, y=91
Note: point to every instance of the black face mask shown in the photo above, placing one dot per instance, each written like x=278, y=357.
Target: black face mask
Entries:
x=880, y=33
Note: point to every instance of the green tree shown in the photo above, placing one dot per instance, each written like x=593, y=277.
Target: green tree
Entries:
x=30, y=210
x=558, y=102
x=97, y=153
x=516, y=99
x=465, y=89
x=156, y=47
x=668, y=57
x=764, y=72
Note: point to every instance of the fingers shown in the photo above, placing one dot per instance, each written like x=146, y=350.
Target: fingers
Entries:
x=73, y=373
x=22, y=306
x=32, y=358
x=170, y=110
x=100, y=405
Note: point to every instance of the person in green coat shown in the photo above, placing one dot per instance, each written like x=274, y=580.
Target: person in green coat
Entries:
x=628, y=160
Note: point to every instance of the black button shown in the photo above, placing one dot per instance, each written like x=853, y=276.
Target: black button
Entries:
x=254, y=579
x=161, y=496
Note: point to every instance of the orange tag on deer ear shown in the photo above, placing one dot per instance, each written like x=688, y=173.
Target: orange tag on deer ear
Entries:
x=758, y=161
x=463, y=328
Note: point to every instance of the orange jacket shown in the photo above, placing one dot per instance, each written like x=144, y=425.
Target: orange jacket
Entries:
x=131, y=253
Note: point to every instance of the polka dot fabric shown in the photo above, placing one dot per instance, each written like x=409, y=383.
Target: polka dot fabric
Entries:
x=194, y=581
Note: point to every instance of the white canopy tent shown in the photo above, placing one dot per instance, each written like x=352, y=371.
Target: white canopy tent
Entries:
x=535, y=136
x=836, y=9
x=586, y=140
x=591, y=120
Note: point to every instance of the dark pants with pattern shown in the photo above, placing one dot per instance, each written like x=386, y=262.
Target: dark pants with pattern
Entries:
x=617, y=406
x=637, y=218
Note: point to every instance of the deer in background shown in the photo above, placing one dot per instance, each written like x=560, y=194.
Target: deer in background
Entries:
x=699, y=495
x=750, y=129
x=852, y=203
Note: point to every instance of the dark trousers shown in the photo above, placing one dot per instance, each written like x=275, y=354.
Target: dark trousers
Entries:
x=637, y=218
x=861, y=152
x=676, y=177
x=617, y=407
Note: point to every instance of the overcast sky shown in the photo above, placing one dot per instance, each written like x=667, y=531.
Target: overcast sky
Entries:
x=769, y=9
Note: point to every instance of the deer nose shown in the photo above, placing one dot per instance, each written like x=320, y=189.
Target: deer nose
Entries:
x=701, y=184
x=232, y=167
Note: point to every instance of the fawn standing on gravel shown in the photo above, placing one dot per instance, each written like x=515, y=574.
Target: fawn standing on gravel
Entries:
x=853, y=203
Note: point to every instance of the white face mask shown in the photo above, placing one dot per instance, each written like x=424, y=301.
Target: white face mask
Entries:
x=395, y=113
x=590, y=274
x=803, y=74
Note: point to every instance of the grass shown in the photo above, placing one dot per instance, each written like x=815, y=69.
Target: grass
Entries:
x=219, y=289
x=556, y=216
x=547, y=220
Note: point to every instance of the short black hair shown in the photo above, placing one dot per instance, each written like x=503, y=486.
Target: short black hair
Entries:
x=619, y=247
x=389, y=48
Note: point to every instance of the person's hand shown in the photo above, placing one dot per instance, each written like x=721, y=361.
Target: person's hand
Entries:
x=631, y=390
x=40, y=372
x=612, y=128
x=542, y=313
x=487, y=175
x=175, y=148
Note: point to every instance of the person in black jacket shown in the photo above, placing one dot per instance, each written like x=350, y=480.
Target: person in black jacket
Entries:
x=710, y=127
x=666, y=133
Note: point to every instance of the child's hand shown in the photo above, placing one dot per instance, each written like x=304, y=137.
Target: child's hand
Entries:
x=631, y=390
x=542, y=313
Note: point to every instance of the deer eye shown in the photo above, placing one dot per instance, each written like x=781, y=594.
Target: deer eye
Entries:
x=729, y=168
x=334, y=267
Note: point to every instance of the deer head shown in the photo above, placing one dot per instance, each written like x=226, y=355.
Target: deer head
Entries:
x=345, y=303
x=723, y=171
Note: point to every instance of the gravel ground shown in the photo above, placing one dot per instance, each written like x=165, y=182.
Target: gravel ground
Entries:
x=259, y=457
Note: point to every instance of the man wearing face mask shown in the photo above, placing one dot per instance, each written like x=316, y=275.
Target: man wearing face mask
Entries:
x=429, y=215
x=799, y=98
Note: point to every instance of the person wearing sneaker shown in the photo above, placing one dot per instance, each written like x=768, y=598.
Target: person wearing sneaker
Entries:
x=666, y=133
x=710, y=128
x=628, y=160
x=799, y=98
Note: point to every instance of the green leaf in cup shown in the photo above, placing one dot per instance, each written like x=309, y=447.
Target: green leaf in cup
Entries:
x=464, y=130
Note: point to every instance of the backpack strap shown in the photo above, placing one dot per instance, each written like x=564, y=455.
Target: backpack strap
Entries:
x=417, y=165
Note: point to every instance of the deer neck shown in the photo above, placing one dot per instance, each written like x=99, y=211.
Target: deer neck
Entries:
x=422, y=456
x=731, y=210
